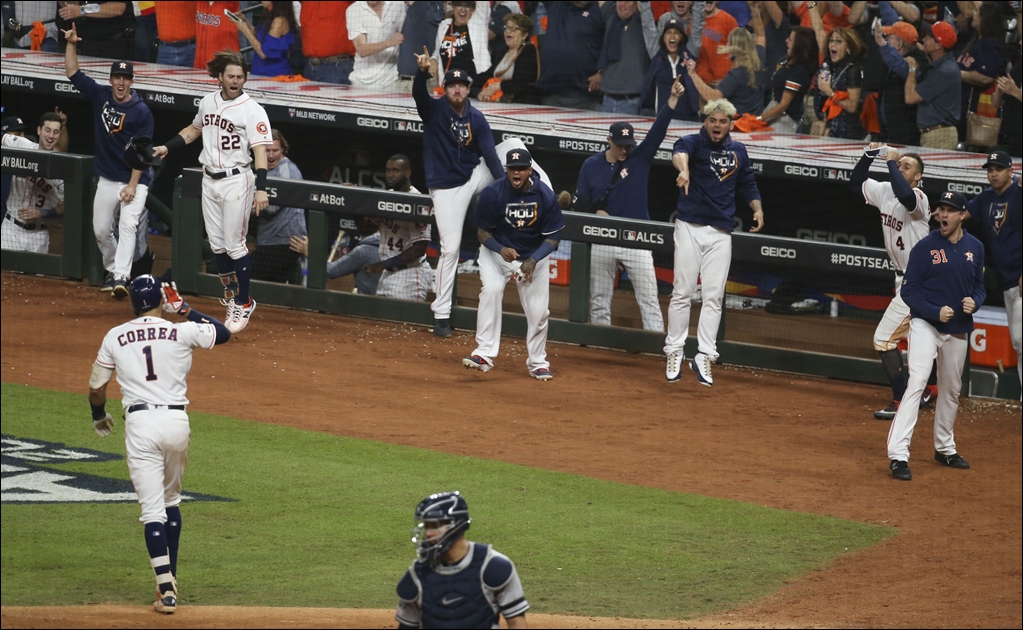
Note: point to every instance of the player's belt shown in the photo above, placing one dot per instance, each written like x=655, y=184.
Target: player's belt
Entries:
x=178, y=44
x=315, y=61
x=899, y=273
x=148, y=407
x=222, y=174
x=26, y=226
x=934, y=128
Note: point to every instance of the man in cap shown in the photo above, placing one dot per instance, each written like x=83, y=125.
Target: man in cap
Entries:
x=937, y=96
x=897, y=43
x=32, y=200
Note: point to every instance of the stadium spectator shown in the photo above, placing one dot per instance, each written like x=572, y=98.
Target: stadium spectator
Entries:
x=420, y=31
x=839, y=81
x=745, y=83
x=982, y=61
x=1012, y=113
x=495, y=29
x=26, y=14
x=738, y=9
x=375, y=31
x=33, y=200
x=366, y=252
x=461, y=41
x=274, y=260
x=513, y=78
x=937, y=96
x=145, y=35
x=214, y=31
x=791, y=81
x=106, y=32
x=832, y=14
x=274, y=41
x=898, y=119
x=329, y=58
x=712, y=65
x=569, y=53
x=690, y=15
x=664, y=67
x=628, y=37
x=777, y=27
x=175, y=28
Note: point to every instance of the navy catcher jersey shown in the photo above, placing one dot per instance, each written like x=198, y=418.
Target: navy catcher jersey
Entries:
x=521, y=221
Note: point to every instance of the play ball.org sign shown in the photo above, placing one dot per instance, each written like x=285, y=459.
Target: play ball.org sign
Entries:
x=27, y=479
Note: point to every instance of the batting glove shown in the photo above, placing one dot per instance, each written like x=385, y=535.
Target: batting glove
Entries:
x=173, y=302
x=104, y=425
x=873, y=153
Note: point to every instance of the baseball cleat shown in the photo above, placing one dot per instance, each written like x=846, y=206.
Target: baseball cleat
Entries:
x=476, y=362
x=442, y=328
x=120, y=290
x=889, y=412
x=900, y=469
x=229, y=316
x=166, y=603
x=954, y=460
x=541, y=374
x=674, y=370
x=701, y=365
x=930, y=394
x=108, y=282
x=241, y=317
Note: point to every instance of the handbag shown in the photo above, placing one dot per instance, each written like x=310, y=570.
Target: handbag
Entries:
x=982, y=131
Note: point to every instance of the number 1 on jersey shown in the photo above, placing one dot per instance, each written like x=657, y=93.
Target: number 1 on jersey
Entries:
x=150, y=374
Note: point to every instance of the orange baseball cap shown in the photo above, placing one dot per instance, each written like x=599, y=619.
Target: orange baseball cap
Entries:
x=903, y=31
x=943, y=33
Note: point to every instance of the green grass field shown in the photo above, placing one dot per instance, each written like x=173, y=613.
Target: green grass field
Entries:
x=320, y=520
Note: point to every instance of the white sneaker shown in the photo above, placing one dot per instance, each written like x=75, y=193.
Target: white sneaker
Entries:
x=674, y=369
x=701, y=365
x=230, y=315
x=241, y=317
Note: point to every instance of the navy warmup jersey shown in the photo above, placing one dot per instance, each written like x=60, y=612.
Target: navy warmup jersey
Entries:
x=1000, y=216
x=942, y=273
x=716, y=173
x=521, y=221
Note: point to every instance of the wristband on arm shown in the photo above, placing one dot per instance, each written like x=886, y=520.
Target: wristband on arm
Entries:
x=492, y=244
x=48, y=213
x=543, y=251
x=98, y=411
x=261, y=179
x=175, y=143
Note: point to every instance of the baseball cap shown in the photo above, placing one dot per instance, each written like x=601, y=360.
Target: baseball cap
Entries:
x=11, y=124
x=903, y=31
x=622, y=134
x=122, y=67
x=466, y=3
x=999, y=158
x=942, y=32
x=675, y=24
x=955, y=199
x=518, y=157
x=457, y=76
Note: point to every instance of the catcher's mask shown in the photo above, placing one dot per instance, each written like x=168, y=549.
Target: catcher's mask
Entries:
x=145, y=294
x=138, y=153
x=446, y=512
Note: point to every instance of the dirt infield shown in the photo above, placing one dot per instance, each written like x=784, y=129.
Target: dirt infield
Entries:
x=779, y=440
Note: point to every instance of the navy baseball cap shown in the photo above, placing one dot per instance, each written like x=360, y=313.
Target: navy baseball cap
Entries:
x=955, y=199
x=675, y=24
x=12, y=124
x=622, y=134
x=518, y=157
x=122, y=67
x=457, y=76
x=999, y=158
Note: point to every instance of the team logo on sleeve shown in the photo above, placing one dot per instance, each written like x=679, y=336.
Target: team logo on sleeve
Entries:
x=520, y=215
x=998, y=212
x=723, y=164
x=262, y=128
x=462, y=132
x=113, y=120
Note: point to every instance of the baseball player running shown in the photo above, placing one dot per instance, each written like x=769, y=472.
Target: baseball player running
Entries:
x=944, y=286
x=614, y=183
x=405, y=274
x=152, y=357
x=711, y=169
x=456, y=583
x=32, y=200
x=518, y=220
x=119, y=115
x=460, y=160
x=998, y=207
x=904, y=215
x=231, y=124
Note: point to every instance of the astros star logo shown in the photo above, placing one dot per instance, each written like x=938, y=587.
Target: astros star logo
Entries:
x=515, y=155
x=520, y=223
x=625, y=173
x=625, y=132
x=969, y=256
x=458, y=73
x=123, y=65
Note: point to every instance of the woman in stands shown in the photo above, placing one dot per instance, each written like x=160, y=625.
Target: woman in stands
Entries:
x=791, y=81
x=512, y=79
x=275, y=40
x=839, y=80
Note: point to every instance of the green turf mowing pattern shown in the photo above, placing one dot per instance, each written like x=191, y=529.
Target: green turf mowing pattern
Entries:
x=320, y=520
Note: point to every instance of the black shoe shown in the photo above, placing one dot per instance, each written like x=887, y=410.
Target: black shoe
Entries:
x=900, y=469
x=120, y=288
x=108, y=282
x=441, y=328
x=952, y=461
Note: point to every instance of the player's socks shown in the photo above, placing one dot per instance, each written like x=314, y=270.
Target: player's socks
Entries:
x=243, y=269
x=891, y=360
x=173, y=529
x=225, y=267
x=159, y=556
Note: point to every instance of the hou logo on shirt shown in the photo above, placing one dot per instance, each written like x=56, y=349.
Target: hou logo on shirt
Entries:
x=724, y=164
x=113, y=120
x=520, y=215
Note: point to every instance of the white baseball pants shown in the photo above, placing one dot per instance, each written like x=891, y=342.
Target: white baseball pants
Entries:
x=703, y=252
x=157, y=446
x=534, y=295
x=226, y=206
x=1014, y=313
x=13, y=236
x=893, y=325
x=449, y=208
x=926, y=343
x=406, y=284
x=119, y=253
x=639, y=263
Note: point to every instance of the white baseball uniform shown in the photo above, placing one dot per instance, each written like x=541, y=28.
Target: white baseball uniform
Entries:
x=412, y=282
x=229, y=130
x=639, y=263
x=29, y=192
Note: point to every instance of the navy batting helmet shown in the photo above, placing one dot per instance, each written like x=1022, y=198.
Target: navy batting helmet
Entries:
x=145, y=294
x=138, y=153
x=451, y=512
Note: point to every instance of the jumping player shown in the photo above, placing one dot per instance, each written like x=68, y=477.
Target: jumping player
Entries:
x=32, y=200
x=460, y=160
x=904, y=214
x=712, y=168
x=152, y=358
x=230, y=123
x=518, y=220
x=456, y=583
x=119, y=115
x=944, y=286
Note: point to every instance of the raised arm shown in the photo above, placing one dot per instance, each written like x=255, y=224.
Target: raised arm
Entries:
x=649, y=24
x=696, y=28
x=758, y=24
x=71, y=51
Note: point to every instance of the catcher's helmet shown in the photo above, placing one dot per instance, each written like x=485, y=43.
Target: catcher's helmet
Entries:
x=138, y=153
x=447, y=508
x=145, y=294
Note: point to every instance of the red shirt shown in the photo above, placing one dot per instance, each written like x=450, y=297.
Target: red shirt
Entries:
x=830, y=21
x=175, y=21
x=711, y=65
x=325, y=30
x=213, y=30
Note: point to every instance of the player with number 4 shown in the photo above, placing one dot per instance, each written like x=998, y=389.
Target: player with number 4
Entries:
x=231, y=124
